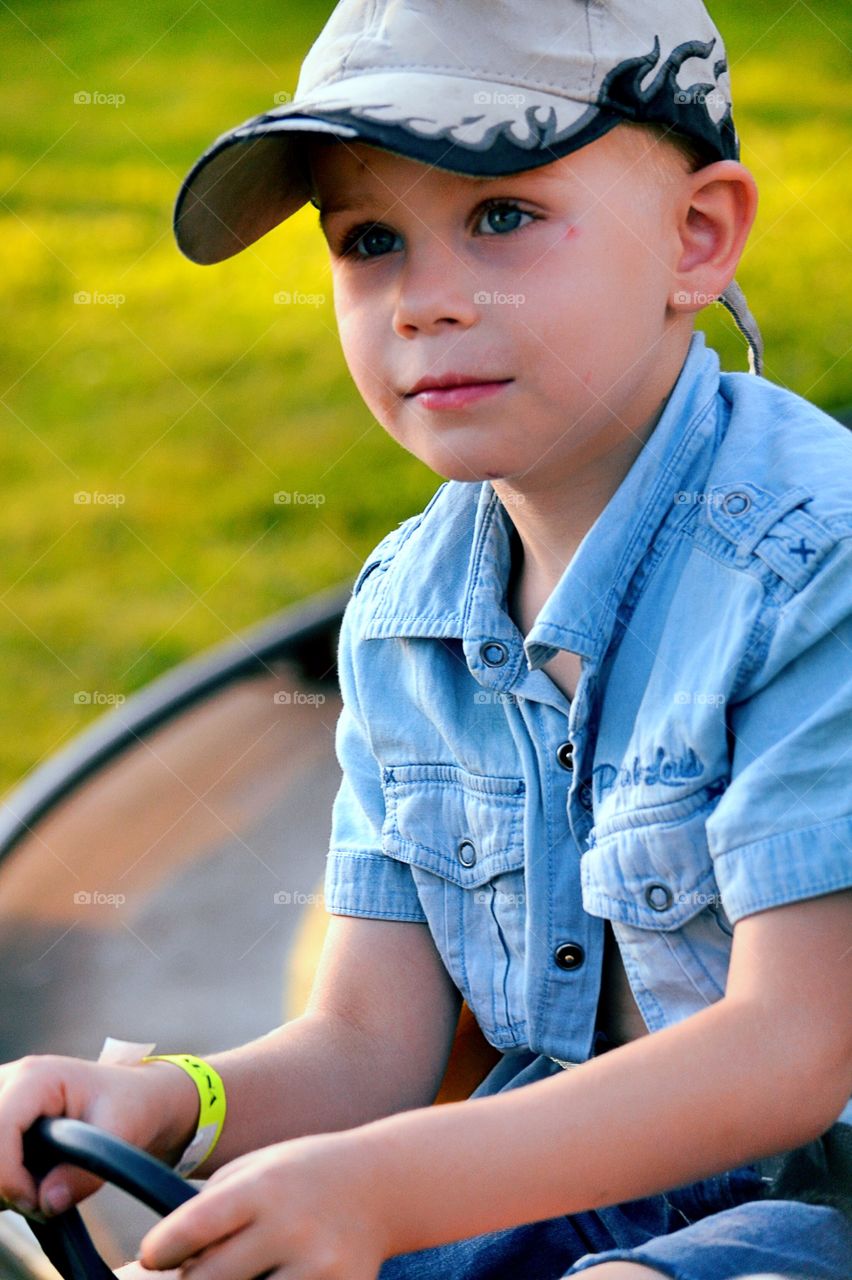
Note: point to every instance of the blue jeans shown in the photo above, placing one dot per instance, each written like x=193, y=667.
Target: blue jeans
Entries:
x=721, y=1228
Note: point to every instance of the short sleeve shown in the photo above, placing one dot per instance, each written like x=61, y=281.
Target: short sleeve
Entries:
x=782, y=830
x=361, y=880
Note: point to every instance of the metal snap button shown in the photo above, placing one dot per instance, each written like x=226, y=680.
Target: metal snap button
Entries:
x=565, y=755
x=569, y=955
x=493, y=653
x=736, y=503
x=659, y=897
x=466, y=852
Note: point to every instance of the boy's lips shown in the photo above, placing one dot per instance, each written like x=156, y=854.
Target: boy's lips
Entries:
x=444, y=380
x=454, y=390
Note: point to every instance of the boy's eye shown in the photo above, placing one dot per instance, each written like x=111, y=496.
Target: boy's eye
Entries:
x=373, y=240
x=499, y=209
x=374, y=234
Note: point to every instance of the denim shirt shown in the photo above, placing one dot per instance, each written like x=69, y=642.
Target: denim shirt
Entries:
x=700, y=773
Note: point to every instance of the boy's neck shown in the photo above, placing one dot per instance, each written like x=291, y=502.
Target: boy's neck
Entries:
x=552, y=520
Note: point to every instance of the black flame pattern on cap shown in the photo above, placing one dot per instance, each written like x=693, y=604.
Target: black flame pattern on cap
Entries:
x=665, y=102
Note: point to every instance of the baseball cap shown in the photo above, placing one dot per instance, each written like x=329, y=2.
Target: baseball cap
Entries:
x=478, y=87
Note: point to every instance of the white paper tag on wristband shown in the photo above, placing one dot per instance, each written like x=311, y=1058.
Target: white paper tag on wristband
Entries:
x=121, y=1053
x=197, y=1150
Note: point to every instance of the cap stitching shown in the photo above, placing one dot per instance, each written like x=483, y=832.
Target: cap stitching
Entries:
x=494, y=77
x=594, y=60
x=365, y=32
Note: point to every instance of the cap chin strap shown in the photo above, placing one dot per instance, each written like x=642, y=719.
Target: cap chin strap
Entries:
x=735, y=300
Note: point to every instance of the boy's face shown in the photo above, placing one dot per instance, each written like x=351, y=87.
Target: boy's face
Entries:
x=554, y=282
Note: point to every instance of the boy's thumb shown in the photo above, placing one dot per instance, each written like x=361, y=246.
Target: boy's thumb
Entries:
x=63, y=1187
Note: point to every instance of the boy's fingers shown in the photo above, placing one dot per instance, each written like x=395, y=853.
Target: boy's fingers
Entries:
x=65, y=1186
x=187, y=1230
x=231, y=1169
x=20, y=1206
x=23, y=1197
x=135, y=1271
x=240, y=1257
x=19, y=1187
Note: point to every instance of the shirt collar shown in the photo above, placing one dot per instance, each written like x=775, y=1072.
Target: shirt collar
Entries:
x=449, y=575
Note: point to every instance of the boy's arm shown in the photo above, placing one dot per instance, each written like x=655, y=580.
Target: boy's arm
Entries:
x=765, y=1069
x=375, y=1039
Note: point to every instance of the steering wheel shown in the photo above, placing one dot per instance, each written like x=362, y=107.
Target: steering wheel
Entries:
x=64, y=1238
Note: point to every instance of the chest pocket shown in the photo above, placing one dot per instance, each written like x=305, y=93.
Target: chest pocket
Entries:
x=649, y=871
x=462, y=835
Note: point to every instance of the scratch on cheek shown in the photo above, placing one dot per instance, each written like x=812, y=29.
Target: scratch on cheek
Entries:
x=571, y=232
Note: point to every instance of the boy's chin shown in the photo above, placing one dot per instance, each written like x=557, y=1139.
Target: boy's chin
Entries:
x=466, y=470
x=469, y=477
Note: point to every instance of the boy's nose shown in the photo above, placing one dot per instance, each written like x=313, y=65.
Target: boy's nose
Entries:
x=435, y=289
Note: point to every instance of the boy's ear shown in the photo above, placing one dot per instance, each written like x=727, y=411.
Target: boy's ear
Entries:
x=714, y=216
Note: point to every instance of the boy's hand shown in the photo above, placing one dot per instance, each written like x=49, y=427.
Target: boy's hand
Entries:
x=135, y=1271
x=312, y=1203
x=133, y=1102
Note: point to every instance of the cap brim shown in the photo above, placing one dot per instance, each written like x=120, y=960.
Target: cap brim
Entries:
x=256, y=176
x=237, y=191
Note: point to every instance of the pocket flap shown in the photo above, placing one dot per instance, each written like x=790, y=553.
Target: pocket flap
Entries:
x=652, y=868
x=461, y=826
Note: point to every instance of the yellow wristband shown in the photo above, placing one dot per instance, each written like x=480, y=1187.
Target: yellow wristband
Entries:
x=211, y=1115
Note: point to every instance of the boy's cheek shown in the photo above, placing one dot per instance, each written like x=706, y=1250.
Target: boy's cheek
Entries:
x=365, y=352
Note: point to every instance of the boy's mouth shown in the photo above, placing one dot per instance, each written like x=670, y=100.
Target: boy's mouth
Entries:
x=448, y=380
x=454, y=390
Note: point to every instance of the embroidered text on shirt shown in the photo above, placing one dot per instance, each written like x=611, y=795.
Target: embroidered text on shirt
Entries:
x=664, y=770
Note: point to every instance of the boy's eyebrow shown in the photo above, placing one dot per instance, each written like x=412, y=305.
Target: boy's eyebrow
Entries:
x=342, y=204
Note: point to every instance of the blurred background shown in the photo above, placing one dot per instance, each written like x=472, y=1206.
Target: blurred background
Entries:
x=180, y=398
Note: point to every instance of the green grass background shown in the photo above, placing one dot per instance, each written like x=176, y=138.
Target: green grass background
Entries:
x=198, y=397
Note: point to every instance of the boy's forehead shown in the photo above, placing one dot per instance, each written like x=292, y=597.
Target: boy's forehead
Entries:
x=352, y=175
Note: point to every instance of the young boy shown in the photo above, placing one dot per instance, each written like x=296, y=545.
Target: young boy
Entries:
x=596, y=737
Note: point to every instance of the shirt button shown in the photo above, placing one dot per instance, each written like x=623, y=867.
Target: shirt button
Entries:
x=569, y=955
x=493, y=653
x=736, y=504
x=584, y=794
x=659, y=897
x=565, y=755
x=466, y=853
